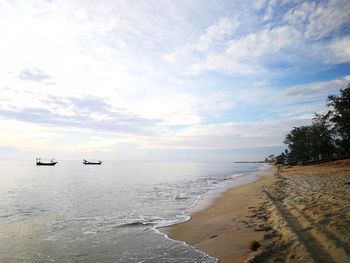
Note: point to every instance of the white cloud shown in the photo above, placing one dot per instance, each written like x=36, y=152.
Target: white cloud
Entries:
x=288, y=41
x=269, y=10
x=316, y=89
x=259, y=4
x=214, y=36
x=340, y=50
x=265, y=42
x=225, y=63
x=319, y=19
x=302, y=101
x=225, y=27
x=57, y=56
x=178, y=55
x=242, y=55
x=228, y=135
x=247, y=54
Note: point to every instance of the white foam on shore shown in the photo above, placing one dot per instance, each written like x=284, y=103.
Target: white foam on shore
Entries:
x=209, y=197
x=185, y=244
x=237, y=180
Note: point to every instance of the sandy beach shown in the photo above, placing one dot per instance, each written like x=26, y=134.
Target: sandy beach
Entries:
x=295, y=214
x=222, y=230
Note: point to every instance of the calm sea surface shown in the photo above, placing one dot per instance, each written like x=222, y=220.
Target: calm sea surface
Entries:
x=108, y=213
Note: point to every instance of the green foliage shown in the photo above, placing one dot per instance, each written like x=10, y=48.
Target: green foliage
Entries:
x=308, y=142
x=321, y=136
x=280, y=159
x=340, y=116
x=328, y=133
x=299, y=141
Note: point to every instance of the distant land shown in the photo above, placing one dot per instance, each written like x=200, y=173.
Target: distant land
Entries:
x=253, y=162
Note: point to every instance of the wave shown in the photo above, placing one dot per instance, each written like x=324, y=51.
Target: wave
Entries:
x=136, y=224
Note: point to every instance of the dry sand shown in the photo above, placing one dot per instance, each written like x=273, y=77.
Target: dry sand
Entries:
x=309, y=212
x=221, y=230
x=300, y=214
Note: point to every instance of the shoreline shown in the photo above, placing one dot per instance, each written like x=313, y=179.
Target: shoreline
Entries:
x=208, y=198
x=293, y=214
x=218, y=225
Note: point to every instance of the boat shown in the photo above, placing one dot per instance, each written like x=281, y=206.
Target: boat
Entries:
x=92, y=163
x=52, y=162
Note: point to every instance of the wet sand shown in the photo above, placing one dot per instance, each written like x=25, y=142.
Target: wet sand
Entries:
x=222, y=230
x=295, y=214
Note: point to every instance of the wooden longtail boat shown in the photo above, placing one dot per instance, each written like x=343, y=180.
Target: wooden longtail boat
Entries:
x=91, y=163
x=52, y=162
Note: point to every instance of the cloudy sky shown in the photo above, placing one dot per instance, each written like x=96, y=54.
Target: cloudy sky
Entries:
x=165, y=80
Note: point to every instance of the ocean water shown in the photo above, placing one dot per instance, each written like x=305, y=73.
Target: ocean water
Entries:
x=108, y=213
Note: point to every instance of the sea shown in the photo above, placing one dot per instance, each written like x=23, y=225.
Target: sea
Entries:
x=109, y=213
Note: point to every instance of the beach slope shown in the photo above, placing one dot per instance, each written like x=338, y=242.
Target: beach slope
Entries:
x=309, y=212
x=292, y=214
x=222, y=230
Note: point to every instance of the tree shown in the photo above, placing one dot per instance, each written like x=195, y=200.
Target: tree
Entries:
x=280, y=158
x=311, y=141
x=326, y=132
x=340, y=116
x=270, y=158
x=298, y=141
x=321, y=136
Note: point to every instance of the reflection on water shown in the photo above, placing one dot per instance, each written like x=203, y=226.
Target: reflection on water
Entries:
x=76, y=213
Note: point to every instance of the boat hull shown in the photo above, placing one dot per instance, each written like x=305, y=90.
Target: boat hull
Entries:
x=46, y=164
x=88, y=163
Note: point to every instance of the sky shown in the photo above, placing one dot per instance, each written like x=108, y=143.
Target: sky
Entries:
x=185, y=80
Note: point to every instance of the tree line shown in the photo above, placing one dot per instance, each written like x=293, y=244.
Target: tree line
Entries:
x=326, y=138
